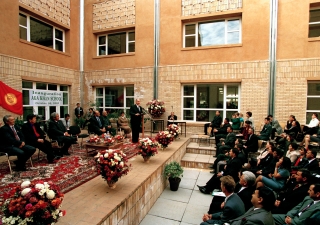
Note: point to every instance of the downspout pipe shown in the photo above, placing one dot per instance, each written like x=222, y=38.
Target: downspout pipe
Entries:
x=156, y=47
x=273, y=55
x=81, y=49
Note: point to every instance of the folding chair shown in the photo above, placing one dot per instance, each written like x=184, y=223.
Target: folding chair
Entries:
x=76, y=132
x=8, y=160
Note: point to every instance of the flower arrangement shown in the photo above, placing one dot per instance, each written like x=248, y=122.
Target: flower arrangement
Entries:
x=109, y=141
x=148, y=147
x=112, y=164
x=94, y=139
x=118, y=137
x=164, y=138
x=36, y=203
x=156, y=107
x=174, y=130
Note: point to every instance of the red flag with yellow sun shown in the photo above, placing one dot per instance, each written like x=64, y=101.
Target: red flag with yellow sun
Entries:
x=10, y=99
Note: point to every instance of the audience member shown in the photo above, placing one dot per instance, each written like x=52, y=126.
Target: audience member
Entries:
x=107, y=123
x=312, y=127
x=235, y=121
x=241, y=118
x=289, y=123
x=262, y=201
x=35, y=137
x=245, y=130
x=293, y=152
x=312, y=164
x=275, y=127
x=266, y=130
x=123, y=123
x=58, y=132
x=66, y=121
x=13, y=142
x=232, y=207
x=269, y=168
x=305, y=209
x=300, y=161
x=311, y=138
x=263, y=159
x=250, y=118
x=78, y=111
x=97, y=125
x=221, y=132
x=228, y=143
x=216, y=123
x=88, y=116
x=285, y=141
x=252, y=143
x=293, y=129
x=172, y=117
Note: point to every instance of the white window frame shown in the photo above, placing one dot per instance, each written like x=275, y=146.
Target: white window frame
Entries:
x=106, y=44
x=223, y=110
x=53, y=32
x=196, y=35
x=313, y=23
x=311, y=96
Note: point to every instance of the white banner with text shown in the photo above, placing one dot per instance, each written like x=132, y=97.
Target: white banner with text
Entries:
x=45, y=98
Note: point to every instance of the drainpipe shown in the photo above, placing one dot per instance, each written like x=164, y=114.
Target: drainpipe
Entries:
x=81, y=49
x=156, y=47
x=272, y=55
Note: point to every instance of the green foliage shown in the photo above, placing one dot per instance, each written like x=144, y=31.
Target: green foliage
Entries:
x=19, y=122
x=173, y=170
x=79, y=121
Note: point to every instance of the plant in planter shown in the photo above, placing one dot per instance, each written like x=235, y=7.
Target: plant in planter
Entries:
x=174, y=172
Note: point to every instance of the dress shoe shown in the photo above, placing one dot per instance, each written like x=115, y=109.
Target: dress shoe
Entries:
x=201, y=186
x=204, y=190
x=212, y=171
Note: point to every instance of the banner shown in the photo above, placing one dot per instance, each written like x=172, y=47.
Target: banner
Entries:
x=45, y=98
x=10, y=99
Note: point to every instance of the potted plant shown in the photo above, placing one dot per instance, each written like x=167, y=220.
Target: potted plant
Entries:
x=173, y=171
x=147, y=148
x=164, y=138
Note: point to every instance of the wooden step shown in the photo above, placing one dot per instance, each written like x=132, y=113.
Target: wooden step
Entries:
x=199, y=161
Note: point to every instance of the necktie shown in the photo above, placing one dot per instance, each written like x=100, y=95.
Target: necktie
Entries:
x=100, y=125
x=15, y=133
x=35, y=131
x=138, y=108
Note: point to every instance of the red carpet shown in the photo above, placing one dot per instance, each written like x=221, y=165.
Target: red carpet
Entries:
x=68, y=173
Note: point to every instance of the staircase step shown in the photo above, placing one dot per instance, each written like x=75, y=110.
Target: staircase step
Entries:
x=199, y=161
x=200, y=149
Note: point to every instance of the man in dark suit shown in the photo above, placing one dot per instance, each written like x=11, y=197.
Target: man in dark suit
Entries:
x=265, y=133
x=35, y=137
x=172, y=117
x=57, y=131
x=232, y=208
x=97, y=125
x=305, y=209
x=269, y=168
x=13, y=142
x=232, y=168
x=221, y=132
x=78, y=111
x=312, y=164
x=244, y=189
x=107, y=123
x=294, y=194
x=136, y=115
x=228, y=143
x=215, y=123
x=252, y=143
x=262, y=200
x=293, y=129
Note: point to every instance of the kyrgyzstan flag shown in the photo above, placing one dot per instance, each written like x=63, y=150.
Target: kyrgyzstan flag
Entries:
x=10, y=99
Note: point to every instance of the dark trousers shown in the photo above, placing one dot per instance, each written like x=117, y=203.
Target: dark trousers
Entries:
x=220, y=157
x=135, y=126
x=46, y=148
x=213, y=183
x=67, y=141
x=206, y=128
x=23, y=154
x=273, y=131
x=311, y=131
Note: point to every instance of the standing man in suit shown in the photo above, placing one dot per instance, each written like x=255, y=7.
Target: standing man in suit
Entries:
x=252, y=143
x=172, y=117
x=13, y=142
x=57, y=131
x=266, y=130
x=232, y=207
x=35, y=137
x=216, y=123
x=97, y=125
x=78, y=111
x=262, y=200
x=136, y=115
x=305, y=209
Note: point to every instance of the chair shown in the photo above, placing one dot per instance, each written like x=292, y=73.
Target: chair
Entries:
x=76, y=132
x=8, y=160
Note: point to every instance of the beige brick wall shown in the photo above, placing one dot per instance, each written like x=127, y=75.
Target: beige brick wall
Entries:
x=57, y=10
x=113, y=14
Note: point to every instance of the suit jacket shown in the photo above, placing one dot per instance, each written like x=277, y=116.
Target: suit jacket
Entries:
x=252, y=143
x=94, y=125
x=270, y=167
x=233, y=167
x=293, y=213
x=135, y=120
x=8, y=138
x=230, y=139
x=294, y=130
x=77, y=113
x=216, y=122
x=266, y=132
x=223, y=129
x=245, y=195
x=314, y=165
x=56, y=130
x=254, y=217
x=30, y=136
x=276, y=125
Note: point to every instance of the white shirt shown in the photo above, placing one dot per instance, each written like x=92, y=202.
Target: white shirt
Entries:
x=313, y=123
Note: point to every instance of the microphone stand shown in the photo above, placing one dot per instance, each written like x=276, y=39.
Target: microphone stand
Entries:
x=149, y=116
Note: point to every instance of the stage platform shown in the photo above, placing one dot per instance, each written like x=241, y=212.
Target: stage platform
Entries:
x=95, y=203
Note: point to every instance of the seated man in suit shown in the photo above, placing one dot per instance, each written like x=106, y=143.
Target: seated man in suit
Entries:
x=244, y=189
x=228, y=143
x=172, y=117
x=312, y=164
x=66, y=121
x=97, y=124
x=266, y=130
x=232, y=208
x=35, y=137
x=57, y=131
x=221, y=132
x=252, y=143
x=107, y=123
x=216, y=123
x=262, y=200
x=13, y=142
x=305, y=209
x=293, y=129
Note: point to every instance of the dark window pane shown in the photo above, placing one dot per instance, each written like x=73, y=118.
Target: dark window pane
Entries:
x=229, y=114
x=188, y=90
x=132, y=47
x=116, y=43
x=188, y=102
x=58, y=34
x=190, y=29
x=52, y=87
x=102, y=50
x=26, y=84
x=41, y=33
x=27, y=111
x=187, y=114
x=99, y=91
x=65, y=98
x=41, y=86
x=22, y=20
x=63, y=88
x=23, y=33
x=313, y=103
x=130, y=102
x=53, y=109
x=25, y=94
x=314, y=15
x=59, y=45
x=202, y=115
x=132, y=36
x=102, y=40
x=313, y=88
x=42, y=112
x=129, y=91
x=210, y=96
x=314, y=30
x=63, y=110
x=99, y=102
x=190, y=41
x=114, y=97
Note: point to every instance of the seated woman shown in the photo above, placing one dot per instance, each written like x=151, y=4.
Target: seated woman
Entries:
x=278, y=179
x=292, y=152
x=123, y=123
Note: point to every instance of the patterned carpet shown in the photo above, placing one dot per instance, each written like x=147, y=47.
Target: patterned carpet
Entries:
x=68, y=173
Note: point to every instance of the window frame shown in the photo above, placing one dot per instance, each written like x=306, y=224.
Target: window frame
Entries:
x=313, y=23
x=196, y=34
x=54, y=28
x=106, y=42
x=310, y=112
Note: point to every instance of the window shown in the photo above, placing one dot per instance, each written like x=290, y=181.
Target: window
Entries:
x=210, y=33
x=115, y=98
x=118, y=43
x=41, y=33
x=314, y=23
x=313, y=100
x=48, y=98
x=201, y=101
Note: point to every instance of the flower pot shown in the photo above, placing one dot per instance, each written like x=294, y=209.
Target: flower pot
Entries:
x=111, y=184
x=146, y=159
x=174, y=183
